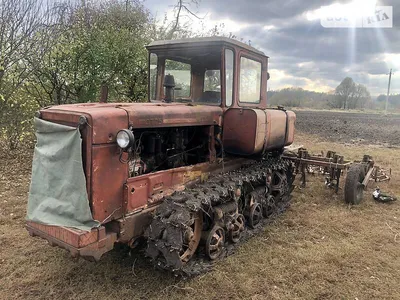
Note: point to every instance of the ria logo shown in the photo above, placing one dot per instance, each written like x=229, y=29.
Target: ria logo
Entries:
x=381, y=17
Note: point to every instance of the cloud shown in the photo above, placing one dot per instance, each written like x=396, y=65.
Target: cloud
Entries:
x=302, y=52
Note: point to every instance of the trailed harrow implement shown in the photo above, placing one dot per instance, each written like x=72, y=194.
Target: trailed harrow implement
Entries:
x=333, y=166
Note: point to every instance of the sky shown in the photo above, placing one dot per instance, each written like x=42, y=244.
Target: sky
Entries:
x=302, y=52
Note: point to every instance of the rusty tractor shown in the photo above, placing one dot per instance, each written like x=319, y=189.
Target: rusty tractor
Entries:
x=192, y=170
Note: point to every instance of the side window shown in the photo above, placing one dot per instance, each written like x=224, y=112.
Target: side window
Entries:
x=229, y=76
x=182, y=76
x=153, y=75
x=212, y=80
x=250, y=80
x=211, y=87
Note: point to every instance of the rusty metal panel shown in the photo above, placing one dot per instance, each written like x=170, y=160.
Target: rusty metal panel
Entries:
x=108, y=178
x=133, y=225
x=106, y=124
x=104, y=119
x=153, y=115
x=248, y=131
x=91, y=245
x=74, y=237
x=107, y=119
x=276, y=129
x=136, y=193
x=291, y=127
x=148, y=189
x=61, y=117
x=240, y=131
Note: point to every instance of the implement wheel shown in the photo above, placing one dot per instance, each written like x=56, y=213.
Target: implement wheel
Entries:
x=353, y=188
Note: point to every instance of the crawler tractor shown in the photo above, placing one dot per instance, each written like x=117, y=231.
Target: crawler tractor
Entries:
x=191, y=170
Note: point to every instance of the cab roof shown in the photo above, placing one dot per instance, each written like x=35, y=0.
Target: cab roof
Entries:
x=200, y=42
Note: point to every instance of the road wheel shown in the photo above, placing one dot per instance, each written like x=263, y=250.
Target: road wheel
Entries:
x=215, y=242
x=353, y=188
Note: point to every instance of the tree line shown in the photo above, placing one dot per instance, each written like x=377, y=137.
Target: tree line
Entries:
x=347, y=95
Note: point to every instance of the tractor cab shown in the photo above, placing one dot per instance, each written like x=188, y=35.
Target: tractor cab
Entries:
x=210, y=71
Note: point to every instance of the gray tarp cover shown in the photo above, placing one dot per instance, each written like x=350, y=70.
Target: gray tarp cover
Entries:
x=57, y=195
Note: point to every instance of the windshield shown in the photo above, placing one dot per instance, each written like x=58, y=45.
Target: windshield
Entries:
x=182, y=75
x=195, y=74
x=211, y=87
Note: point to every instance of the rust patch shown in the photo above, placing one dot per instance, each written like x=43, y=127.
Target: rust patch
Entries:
x=88, y=244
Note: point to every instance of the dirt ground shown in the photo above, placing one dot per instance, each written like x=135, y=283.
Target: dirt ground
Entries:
x=353, y=128
x=320, y=248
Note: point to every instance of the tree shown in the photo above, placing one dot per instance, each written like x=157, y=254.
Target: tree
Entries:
x=20, y=21
x=344, y=92
x=95, y=44
x=359, y=97
x=350, y=95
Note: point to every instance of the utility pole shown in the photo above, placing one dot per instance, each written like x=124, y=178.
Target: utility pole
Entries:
x=388, y=91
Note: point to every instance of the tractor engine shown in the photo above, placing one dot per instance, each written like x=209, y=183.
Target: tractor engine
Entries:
x=166, y=148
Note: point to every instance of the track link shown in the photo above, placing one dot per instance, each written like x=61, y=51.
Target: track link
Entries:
x=210, y=219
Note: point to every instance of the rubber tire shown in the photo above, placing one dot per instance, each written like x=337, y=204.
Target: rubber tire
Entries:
x=353, y=188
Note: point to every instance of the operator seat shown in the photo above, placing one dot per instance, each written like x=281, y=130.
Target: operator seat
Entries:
x=210, y=97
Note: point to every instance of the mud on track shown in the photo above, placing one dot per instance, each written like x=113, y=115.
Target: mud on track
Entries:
x=346, y=127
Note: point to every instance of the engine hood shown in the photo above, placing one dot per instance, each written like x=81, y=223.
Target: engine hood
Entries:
x=105, y=119
x=171, y=115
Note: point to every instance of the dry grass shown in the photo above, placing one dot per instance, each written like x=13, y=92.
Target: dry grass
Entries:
x=319, y=249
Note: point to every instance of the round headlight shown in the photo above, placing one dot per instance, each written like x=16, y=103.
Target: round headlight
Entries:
x=125, y=138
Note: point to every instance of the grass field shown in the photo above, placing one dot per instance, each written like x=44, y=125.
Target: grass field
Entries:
x=321, y=248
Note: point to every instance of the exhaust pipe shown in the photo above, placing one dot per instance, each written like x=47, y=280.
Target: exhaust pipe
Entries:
x=104, y=93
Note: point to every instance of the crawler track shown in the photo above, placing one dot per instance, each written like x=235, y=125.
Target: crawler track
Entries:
x=207, y=221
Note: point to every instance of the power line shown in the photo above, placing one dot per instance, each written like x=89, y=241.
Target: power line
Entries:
x=388, y=91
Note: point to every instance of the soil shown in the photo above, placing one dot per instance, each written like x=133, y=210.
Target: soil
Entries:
x=320, y=248
x=351, y=127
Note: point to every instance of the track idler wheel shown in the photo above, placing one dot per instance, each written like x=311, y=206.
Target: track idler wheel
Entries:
x=255, y=214
x=215, y=242
x=237, y=227
x=191, y=238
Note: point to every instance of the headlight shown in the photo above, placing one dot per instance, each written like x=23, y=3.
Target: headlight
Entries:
x=125, y=138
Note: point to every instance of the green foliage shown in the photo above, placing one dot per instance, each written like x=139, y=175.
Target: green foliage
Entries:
x=16, y=119
x=95, y=44
x=298, y=97
x=64, y=53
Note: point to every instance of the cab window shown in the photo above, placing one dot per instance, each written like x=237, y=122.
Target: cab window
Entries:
x=153, y=76
x=250, y=81
x=229, y=76
x=211, y=87
x=182, y=76
x=212, y=81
